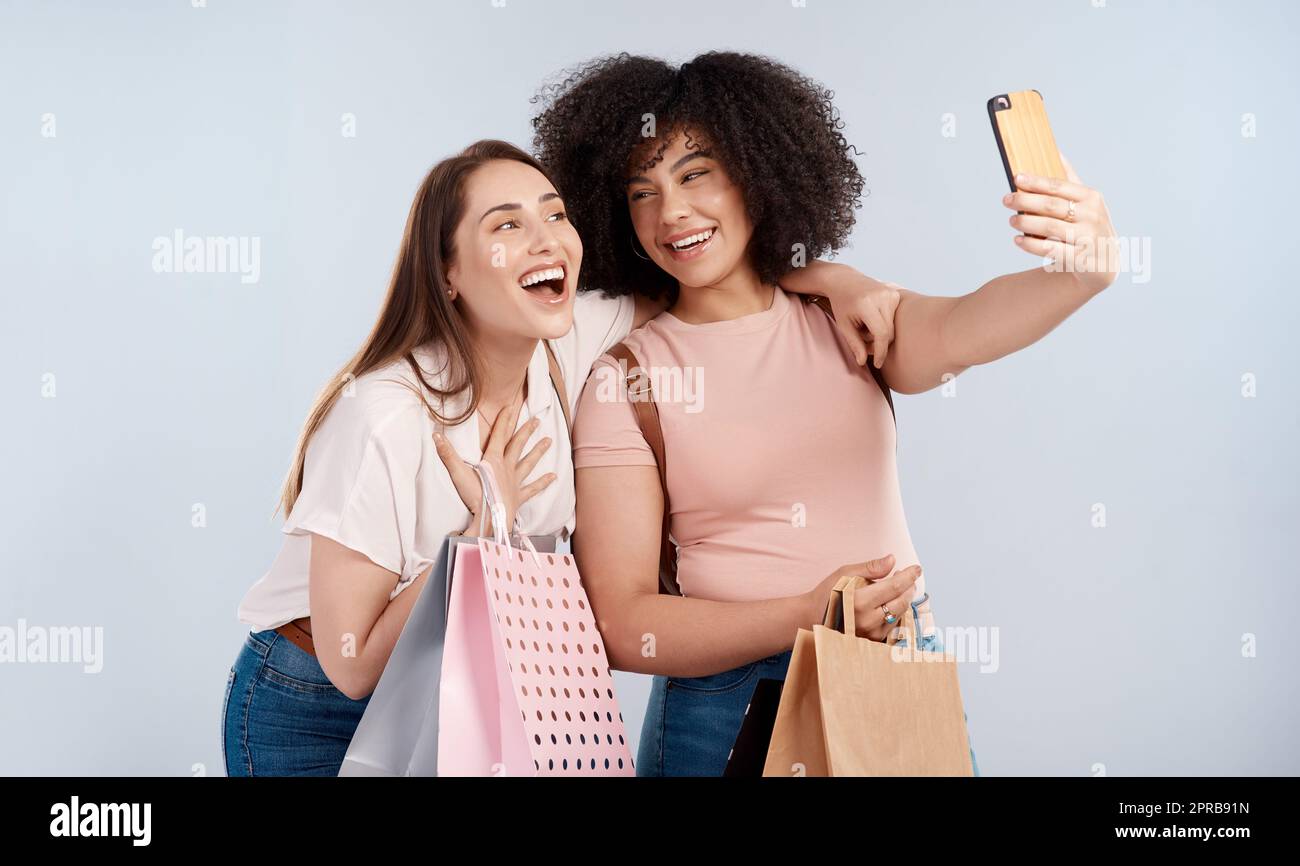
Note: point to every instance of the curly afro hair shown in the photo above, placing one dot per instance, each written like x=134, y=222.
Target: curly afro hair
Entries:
x=775, y=130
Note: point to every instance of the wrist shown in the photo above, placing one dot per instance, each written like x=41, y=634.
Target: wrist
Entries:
x=815, y=278
x=834, y=279
x=814, y=609
x=1076, y=282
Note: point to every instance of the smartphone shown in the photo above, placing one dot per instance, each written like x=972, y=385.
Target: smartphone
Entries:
x=749, y=753
x=1024, y=136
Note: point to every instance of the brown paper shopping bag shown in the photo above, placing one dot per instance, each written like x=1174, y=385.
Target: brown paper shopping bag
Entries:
x=852, y=706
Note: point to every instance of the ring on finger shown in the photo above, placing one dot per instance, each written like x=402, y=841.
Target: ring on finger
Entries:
x=890, y=618
x=1069, y=213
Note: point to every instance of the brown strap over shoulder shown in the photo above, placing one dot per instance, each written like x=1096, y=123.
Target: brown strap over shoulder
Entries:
x=557, y=380
x=823, y=303
x=641, y=395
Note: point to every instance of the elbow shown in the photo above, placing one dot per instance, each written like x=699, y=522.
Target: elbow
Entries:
x=625, y=656
x=630, y=641
x=614, y=637
x=349, y=678
x=623, y=648
x=356, y=691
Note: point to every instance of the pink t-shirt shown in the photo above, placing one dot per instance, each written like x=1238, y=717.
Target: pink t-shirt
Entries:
x=780, y=450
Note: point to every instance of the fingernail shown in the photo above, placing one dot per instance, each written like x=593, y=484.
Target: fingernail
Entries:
x=1006, y=199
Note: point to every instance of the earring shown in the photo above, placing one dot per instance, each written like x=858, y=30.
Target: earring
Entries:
x=632, y=240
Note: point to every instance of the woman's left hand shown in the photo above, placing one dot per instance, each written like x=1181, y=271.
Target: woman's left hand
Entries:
x=1074, y=220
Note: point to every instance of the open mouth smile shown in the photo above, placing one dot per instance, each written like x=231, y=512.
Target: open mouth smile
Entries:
x=689, y=245
x=546, y=283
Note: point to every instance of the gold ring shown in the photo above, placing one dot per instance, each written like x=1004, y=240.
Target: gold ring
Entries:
x=1069, y=214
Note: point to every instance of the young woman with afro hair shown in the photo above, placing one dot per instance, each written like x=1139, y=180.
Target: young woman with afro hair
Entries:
x=708, y=185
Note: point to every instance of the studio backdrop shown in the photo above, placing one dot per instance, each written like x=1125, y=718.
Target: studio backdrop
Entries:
x=1106, y=520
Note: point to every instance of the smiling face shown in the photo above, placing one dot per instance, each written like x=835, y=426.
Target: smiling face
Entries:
x=516, y=259
x=688, y=214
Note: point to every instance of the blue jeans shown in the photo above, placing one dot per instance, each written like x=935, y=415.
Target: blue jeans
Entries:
x=691, y=723
x=281, y=715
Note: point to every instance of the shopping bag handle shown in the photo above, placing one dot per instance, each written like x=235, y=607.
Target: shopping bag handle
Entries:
x=842, y=616
x=492, y=501
x=493, y=505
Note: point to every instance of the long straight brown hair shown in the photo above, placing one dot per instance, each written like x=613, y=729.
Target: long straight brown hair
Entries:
x=417, y=309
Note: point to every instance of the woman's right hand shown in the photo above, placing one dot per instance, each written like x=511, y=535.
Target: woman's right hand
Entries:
x=894, y=591
x=502, y=454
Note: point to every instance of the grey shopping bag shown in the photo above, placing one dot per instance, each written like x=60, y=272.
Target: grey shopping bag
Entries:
x=398, y=733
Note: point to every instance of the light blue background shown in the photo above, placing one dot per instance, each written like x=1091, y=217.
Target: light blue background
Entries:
x=1119, y=646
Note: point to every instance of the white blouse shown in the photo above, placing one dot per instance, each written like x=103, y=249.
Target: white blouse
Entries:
x=373, y=480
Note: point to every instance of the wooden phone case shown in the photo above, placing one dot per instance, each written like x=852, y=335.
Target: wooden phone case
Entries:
x=1024, y=136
